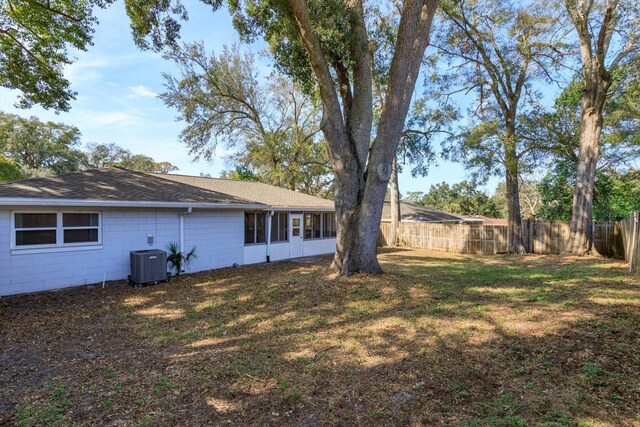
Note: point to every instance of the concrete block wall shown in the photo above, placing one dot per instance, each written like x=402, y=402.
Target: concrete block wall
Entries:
x=219, y=236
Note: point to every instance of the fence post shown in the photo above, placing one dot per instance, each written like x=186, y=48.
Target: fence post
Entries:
x=634, y=241
x=532, y=246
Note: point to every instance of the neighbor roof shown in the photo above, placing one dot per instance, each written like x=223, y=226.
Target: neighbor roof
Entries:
x=123, y=187
x=419, y=213
x=485, y=220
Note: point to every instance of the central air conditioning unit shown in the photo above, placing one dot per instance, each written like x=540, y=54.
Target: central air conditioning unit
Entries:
x=148, y=266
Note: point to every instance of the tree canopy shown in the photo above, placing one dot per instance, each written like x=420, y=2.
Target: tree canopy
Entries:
x=35, y=41
x=39, y=147
x=271, y=129
x=463, y=198
x=103, y=155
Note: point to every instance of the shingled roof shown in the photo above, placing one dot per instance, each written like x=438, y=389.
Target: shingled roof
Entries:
x=255, y=191
x=117, y=185
x=418, y=213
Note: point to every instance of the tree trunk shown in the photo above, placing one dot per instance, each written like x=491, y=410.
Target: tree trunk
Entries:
x=581, y=228
x=597, y=79
x=362, y=168
x=515, y=243
x=394, y=204
x=411, y=42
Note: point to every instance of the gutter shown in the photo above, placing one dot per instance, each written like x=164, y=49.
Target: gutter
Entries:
x=299, y=209
x=17, y=201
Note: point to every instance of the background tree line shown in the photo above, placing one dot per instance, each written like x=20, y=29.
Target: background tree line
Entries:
x=30, y=147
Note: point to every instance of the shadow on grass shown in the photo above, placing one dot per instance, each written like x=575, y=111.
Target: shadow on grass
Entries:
x=460, y=340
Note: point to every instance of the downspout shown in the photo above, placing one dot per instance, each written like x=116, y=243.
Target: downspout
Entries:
x=182, y=215
x=269, y=235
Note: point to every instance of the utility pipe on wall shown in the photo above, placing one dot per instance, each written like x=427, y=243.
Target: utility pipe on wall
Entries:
x=269, y=235
x=182, y=215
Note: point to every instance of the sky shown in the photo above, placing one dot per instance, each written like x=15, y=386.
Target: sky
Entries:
x=117, y=86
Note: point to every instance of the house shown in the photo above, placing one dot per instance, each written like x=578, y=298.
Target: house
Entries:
x=412, y=212
x=79, y=228
x=485, y=220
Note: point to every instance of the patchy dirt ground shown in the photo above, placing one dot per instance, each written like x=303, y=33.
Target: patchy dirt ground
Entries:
x=439, y=340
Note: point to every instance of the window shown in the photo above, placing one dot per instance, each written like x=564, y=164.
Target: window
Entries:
x=261, y=235
x=307, y=225
x=80, y=227
x=329, y=224
x=316, y=225
x=36, y=228
x=312, y=225
x=295, y=227
x=280, y=227
x=55, y=229
x=249, y=228
x=254, y=228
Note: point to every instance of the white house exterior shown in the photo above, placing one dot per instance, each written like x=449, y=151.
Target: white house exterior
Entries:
x=79, y=228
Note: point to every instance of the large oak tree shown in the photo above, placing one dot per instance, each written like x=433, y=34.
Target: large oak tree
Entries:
x=324, y=44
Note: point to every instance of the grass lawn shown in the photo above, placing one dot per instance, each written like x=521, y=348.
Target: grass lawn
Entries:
x=439, y=340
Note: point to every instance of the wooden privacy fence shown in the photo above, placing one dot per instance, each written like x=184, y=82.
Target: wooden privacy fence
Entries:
x=540, y=237
x=552, y=237
x=627, y=241
x=456, y=238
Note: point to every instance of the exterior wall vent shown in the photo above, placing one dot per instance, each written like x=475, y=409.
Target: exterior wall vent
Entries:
x=148, y=266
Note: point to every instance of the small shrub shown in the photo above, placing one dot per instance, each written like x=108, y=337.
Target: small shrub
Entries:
x=177, y=259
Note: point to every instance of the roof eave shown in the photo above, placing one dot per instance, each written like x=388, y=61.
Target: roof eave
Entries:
x=303, y=208
x=18, y=201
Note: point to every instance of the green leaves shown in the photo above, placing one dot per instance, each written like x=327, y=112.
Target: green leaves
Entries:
x=35, y=37
x=271, y=128
x=333, y=22
x=103, y=155
x=39, y=147
x=462, y=198
x=9, y=169
x=179, y=260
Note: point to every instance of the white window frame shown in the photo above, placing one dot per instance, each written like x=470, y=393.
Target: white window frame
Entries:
x=275, y=219
x=59, y=231
x=312, y=213
x=255, y=228
x=335, y=225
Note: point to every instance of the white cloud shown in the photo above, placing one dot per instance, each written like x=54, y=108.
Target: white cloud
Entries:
x=142, y=90
x=111, y=118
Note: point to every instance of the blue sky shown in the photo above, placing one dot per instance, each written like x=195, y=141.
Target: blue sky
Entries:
x=117, y=86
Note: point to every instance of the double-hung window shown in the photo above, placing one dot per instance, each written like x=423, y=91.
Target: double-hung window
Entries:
x=55, y=229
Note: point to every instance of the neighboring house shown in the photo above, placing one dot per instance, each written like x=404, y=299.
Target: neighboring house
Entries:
x=485, y=220
x=79, y=228
x=412, y=212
